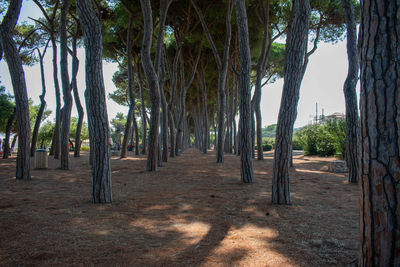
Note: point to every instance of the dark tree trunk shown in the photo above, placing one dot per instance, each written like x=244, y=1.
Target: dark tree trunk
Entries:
x=150, y=71
x=296, y=45
x=143, y=109
x=6, y=144
x=352, y=121
x=244, y=85
x=96, y=104
x=67, y=97
x=206, y=124
x=127, y=130
x=135, y=127
x=222, y=72
x=164, y=117
x=74, y=85
x=42, y=104
x=380, y=134
x=56, y=145
x=253, y=129
x=14, y=63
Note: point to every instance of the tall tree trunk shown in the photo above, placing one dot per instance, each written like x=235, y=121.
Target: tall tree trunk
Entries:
x=143, y=109
x=135, y=127
x=380, y=141
x=56, y=145
x=253, y=129
x=14, y=63
x=164, y=115
x=206, y=125
x=244, y=85
x=74, y=85
x=222, y=72
x=42, y=104
x=150, y=71
x=6, y=144
x=127, y=130
x=67, y=97
x=96, y=104
x=352, y=121
x=296, y=49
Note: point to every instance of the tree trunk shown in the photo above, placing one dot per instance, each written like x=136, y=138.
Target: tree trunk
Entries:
x=380, y=142
x=67, y=97
x=206, y=126
x=352, y=121
x=96, y=100
x=144, y=124
x=42, y=104
x=135, y=127
x=127, y=130
x=296, y=45
x=246, y=169
x=253, y=129
x=6, y=144
x=56, y=145
x=14, y=63
x=164, y=115
x=74, y=85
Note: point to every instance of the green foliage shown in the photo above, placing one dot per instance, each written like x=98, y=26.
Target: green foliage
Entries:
x=268, y=143
x=46, y=134
x=118, y=127
x=324, y=139
x=6, y=108
x=84, y=130
x=33, y=111
x=269, y=131
x=85, y=148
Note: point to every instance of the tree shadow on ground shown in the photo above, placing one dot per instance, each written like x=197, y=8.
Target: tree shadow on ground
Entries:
x=191, y=212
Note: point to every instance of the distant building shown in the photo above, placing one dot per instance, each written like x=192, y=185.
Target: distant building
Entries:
x=334, y=116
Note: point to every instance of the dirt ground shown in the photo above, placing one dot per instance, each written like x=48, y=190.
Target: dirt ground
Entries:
x=192, y=212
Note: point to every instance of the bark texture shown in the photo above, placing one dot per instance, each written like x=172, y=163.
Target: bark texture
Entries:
x=67, y=97
x=6, y=144
x=296, y=45
x=19, y=87
x=352, y=120
x=244, y=85
x=96, y=104
x=380, y=133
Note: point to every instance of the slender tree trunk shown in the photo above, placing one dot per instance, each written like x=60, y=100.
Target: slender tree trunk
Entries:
x=244, y=85
x=67, y=97
x=296, y=45
x=135, y=127
x=14, y=63
x=127, y=130
x=144, y=124
x=56, y=145
x=253, y=129
x=74, y=85
x=352, y=121
x=380, y=141
x=6, y=144
x=96, y=104
x=206, y=125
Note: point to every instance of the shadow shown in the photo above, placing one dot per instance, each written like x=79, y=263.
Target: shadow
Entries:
x=190, y=212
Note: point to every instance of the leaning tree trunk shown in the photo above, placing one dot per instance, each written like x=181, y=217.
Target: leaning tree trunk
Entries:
x=152, y=81
x=296, y=45
x=42, y=104
x=67, y=97
x=6, y=144
x=96, y=104
x=143, y=109
x=246, y=169
x=7, y=45
x=128, y=125
x=380, y=134
x=352, y=121
x=74, y=85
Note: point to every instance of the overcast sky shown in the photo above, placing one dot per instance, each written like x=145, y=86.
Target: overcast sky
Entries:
x=322, y=84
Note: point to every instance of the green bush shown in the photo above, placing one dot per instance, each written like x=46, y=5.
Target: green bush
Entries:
x=268, y=143
x=85, y=148
x=324, y=139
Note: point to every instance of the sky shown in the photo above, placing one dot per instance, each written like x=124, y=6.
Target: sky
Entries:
x=322, y=83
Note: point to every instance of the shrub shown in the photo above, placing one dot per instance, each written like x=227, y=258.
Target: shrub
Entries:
x=268, y=143
x=85, y=148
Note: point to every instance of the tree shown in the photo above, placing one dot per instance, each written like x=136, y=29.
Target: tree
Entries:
x=352, y=121
x=295, y=64
x=96, y=104
x=8, y=47
x=244, y=85
x=380, y=143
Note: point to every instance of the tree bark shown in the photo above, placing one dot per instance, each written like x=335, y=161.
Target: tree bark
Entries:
x=380, y=134
x=296, y=49
x=14, y=63
x=143, y=109
x=67, y=97
x=42, y=104
x=352, y=121
x=96, y=104
x=246, y=169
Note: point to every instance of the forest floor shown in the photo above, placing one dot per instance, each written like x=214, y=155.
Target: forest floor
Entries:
x=190, y=212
